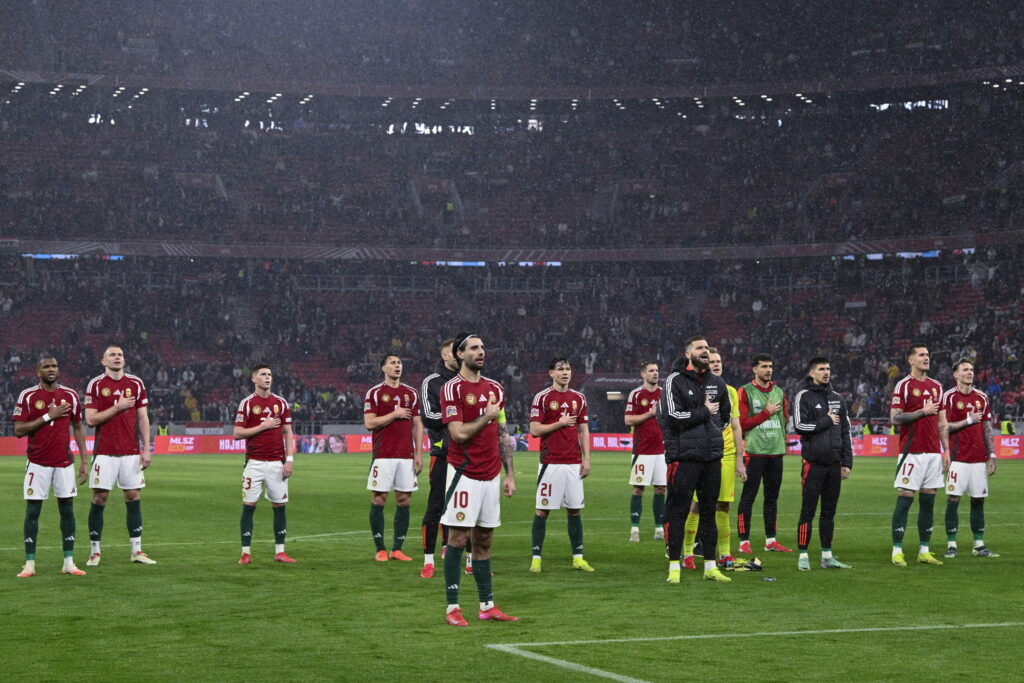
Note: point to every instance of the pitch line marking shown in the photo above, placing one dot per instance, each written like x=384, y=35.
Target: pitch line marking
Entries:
x=517, y=648
x=759, y=634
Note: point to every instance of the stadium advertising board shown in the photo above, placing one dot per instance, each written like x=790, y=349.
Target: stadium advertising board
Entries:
x=884, y=445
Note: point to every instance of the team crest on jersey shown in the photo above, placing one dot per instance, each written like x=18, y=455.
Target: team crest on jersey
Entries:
x=40, y=405
x=543, y=501
x=128, y=392
x=105, y=391
x=906, y=480
x=460, y=516
x=277, y=409
x=385, y=397
x=471, y=399
x=644, y=402
x=256, y=410
x=959, y=405
x=574, y=406
x=553, y=405
x=63, y=401
x=917, y=392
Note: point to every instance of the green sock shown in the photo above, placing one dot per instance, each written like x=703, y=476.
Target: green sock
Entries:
x=453, y=574
x=978, y=518
x=134, y=518
x=926, y=517
x=67, y=527
x=484, y=581
x=377, y=525
x=576, y=534
x=32, y=510
x=540, y=527
x=248, y=512
x=280, y=524
x=636, y=506
x=899, y=519
x=952, y=519
x=659, y=508
x=724, y=534
x=96, y=522
x=401, y=525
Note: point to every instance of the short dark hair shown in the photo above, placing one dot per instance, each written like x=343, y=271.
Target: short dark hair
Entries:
x=713, y=349
x=450, y=341
x=816, y=361
x=761, y=358
x=556, y=360
x=644, y=364
x=956, y=365
x=45, y=356
x=384, y=358
x=694, y=338
x=259, y=366
x=913, y=349
x=459, y=341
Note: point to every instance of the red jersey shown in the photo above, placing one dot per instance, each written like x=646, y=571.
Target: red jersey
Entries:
x=967, y=445
x=647, y=436
x=561, y=446
x=395, y=439
x=464, y=401
x=118, y=435
x=909, y=395
x=48, y=445
x=252, y=411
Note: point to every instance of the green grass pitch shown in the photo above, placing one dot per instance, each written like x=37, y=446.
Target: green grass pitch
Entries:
x=339, y=615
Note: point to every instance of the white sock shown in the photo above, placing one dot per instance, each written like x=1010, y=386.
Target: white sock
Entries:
x=452, y=608
x=246, y=550
x=979, y=544
x=69, y=562
x=95, y=547
x=923, y=549
x=469, y=560
x=484, y=606
x=278, y=547
x=428, y=558
x=536, y=557
x=896, y=550
x=30, y=564
x=769, y=541
x=673, y=566
x=577, y=557
x=951, y=544
x=826, y=554
x=136, y=542
x=709, y=565
x=803, y=554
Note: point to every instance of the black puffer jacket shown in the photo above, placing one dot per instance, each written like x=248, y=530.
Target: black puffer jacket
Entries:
x=822, y=441
x=691, y=431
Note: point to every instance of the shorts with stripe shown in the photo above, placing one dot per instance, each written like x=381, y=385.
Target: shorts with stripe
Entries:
x=471, y=502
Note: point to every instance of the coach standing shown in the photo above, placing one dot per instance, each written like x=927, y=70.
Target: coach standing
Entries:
x=821, y=420
x=691, y=406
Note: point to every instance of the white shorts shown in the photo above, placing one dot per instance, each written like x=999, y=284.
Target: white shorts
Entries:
x=649, y=470
x=392, y=473
x=260, y=473
x=920, y=471
x=39, y=479
x=559, y=485
x=967, y=478
x=124, y=470
x=471, y=502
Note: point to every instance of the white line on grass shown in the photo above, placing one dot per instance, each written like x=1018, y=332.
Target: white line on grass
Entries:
x=517, y=648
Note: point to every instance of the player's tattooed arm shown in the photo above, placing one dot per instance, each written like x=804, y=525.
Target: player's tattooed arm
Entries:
x=987, y=432
x=898, y=417
x=505, y=446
